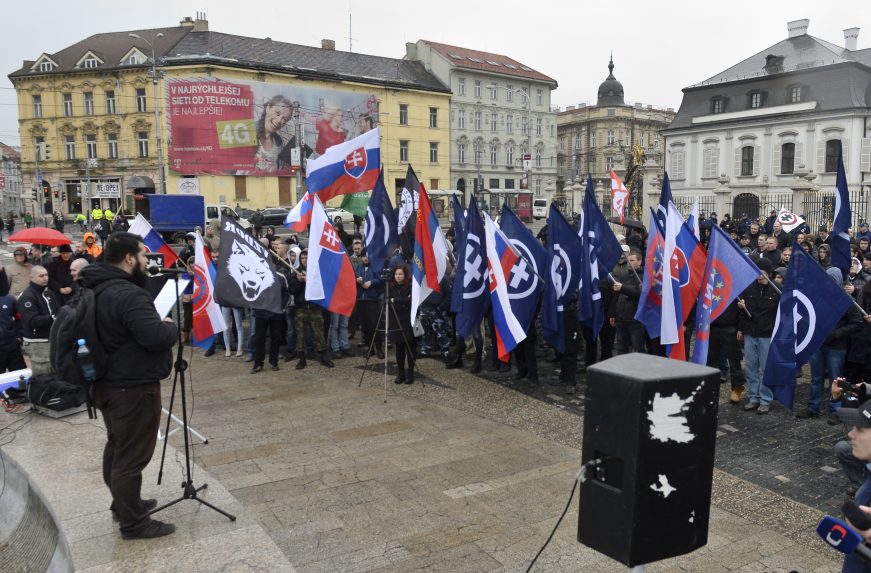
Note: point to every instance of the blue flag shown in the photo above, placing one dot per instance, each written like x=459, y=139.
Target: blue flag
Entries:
x=471, y=277
x=649, y=312
x=601, y=252
x=664, y=199
x=728, y=271
x=842, y=220
x=380, y=231
x=564, y=252
x=459, y=217
x=810, y=306
x=524, y=285
x=459, y=248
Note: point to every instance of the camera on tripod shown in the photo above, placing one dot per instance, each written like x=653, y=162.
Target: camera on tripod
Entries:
x=386, y=273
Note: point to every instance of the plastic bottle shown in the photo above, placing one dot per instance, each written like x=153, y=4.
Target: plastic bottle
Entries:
x=86, y=362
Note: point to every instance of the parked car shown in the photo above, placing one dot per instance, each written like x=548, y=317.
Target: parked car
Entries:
x=274, y=216
x=346, y=216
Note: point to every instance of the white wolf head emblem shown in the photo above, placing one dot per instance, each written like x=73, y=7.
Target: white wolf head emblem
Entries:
x=250, y=272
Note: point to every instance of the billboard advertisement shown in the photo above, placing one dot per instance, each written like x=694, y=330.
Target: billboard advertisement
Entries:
x=234, y=127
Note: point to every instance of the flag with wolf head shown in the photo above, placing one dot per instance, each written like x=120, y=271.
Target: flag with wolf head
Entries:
x=246, y=277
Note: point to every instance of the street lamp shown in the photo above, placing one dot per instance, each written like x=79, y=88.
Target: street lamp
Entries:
x=523, y=92
x=161, y=172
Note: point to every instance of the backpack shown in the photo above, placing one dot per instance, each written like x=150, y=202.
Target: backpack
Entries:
x=47, y=391
x=75, y=320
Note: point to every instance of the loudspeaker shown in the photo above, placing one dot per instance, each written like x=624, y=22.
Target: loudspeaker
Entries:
x=653, y=423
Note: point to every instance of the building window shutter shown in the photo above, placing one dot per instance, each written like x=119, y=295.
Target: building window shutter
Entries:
x=737, y=161
x=865, y=155
x=821, y=157
x=757, y=155
x=775, y=160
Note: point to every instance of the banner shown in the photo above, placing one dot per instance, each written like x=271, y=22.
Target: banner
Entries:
x=246, y=278
x=223, y=127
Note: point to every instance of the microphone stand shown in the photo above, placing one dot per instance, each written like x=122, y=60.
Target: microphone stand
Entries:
x=188, y=489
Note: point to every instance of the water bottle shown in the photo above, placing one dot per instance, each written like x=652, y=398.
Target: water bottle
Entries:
x=86, y=362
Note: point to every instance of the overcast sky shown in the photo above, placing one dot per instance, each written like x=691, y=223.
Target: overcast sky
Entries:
x=659, y=47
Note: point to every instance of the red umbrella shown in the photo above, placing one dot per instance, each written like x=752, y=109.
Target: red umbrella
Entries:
x=40, y=236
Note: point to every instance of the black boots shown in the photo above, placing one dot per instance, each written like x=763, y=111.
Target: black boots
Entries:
x=325, y=360
x=476, y=365
x=301, y=364
x=455, y=360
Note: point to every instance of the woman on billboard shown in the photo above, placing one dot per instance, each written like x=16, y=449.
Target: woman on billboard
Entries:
x=276, y=113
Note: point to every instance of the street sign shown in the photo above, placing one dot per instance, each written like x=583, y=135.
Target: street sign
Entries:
x=93, y=163
x=527, y=161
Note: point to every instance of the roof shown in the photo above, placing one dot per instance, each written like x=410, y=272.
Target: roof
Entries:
x=800, y=52
x=487, y=61
x=110, y=47
x=182, y=46
x=303, y=60
x=9, y=152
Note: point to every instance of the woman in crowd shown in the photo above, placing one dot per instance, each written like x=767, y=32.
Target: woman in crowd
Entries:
x=402, y=336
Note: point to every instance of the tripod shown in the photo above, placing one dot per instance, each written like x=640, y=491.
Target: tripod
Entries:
x=386, y=316
x=188, y=489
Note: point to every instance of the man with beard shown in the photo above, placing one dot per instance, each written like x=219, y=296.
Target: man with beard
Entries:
x=138, y=347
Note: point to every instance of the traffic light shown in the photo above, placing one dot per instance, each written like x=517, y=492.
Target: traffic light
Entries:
x=43, y=151
x=63, y=196
x=55, y=194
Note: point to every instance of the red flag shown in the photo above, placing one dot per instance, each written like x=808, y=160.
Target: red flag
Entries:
x=619, y=195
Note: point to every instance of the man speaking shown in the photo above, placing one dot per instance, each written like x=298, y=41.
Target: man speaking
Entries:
x=138, y=346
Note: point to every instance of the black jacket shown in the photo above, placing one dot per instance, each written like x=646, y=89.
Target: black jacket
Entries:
x=59, y=276
x=297, y=290
x=848, y=325
x=761, y=301
x=401, y=297
x=38, y=306
x=137, y=342
x=630, y=293
x=281, y=273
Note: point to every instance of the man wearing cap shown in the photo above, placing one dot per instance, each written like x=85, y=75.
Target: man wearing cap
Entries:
x=859, y=420
x=829, y=358
x=18, y=272
x=755, y=327
x=768, y=227
x=744, y=244
x=864, y=232
x=59, y=278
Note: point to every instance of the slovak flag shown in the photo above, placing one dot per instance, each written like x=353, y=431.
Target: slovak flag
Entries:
x=501, y=258
x=301, y=215
x=430, y=254
x=688, y=265
x=207, y=318
x=330, y=280
x=152, y=239
x=348, y=167
x=619, y=195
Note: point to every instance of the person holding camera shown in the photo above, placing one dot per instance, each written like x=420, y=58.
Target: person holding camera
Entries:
x=859, y=420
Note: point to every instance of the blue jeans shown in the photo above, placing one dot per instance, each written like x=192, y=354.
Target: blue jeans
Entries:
x=339, y=332
x=824, y=359
x=236, y=315
x=755, y=356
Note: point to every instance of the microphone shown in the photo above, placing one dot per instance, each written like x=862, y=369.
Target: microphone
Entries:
x=857, y=517
x=844, y=538
x=157, y=270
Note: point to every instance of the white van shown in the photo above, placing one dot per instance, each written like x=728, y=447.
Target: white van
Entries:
x=539, y=209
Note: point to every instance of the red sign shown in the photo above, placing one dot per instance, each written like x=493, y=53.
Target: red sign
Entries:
x=2, y=181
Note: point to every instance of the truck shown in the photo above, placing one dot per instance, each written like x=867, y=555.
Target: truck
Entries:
x=173, y=216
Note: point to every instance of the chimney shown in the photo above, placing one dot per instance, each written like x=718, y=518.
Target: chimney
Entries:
x=187, y=22
x=411, y=51
x=798, y=28
x=328, y=44
x=851, y=39
x=201, y=24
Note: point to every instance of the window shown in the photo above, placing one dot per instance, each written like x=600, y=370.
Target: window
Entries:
x=45, y=66
x=37, y=106
x=493, y=118
x=141, y=105
x=832, y=146
x=89, y=103
x=112, y=142
x=509, y=95
x=539, y=97
x=538, y=126
x=756, y=99
x=433, y=183
x=240, y=184
x=710, y=163
x=68, y=104
x=523, y=97
x=509, y=183
x=677, y=164
x=142, y=140
x=538, y=157
x=461, y=119
x=91, y=146
x=493, y=91
x=794, y=96
x=787, y=158
x=610, y=137
x=578, y=142
x=478, y=120
x=91, y=63
x=494, y=184
x=461, y=152
x=525, y=126
x=477, y=154
x=747, y=160
x=717, y=105
x=433, y=152
x=461, y=86
x=493, y=151
x=403, y=150
x=609, y=164
x=538, y=186
x=433, y=117
x=70, y=146
x=403, y=114
x=509, y=123
x=509, y=155
x=612, y=112
x=477, y=88
x=110, y=102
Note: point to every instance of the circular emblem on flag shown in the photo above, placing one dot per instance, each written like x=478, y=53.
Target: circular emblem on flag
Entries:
x=355, y=162
x=805, y=320
x=202, y=295
x=680, y=267
x=561, y=271
x=474, y=274
x=719, y=289
x=654, y=274
x=522, y=280
x=787, y=218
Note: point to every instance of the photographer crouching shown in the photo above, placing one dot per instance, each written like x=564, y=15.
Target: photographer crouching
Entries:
x=138, y=347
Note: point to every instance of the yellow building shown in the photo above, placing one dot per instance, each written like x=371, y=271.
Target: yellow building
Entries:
x=236, y=114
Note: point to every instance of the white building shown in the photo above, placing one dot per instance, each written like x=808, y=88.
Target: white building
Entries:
x=11, y=199
x=500, y=111
x=765, y=132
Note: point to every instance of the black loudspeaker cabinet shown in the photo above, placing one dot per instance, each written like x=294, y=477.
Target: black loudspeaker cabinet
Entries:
x=653, y=422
